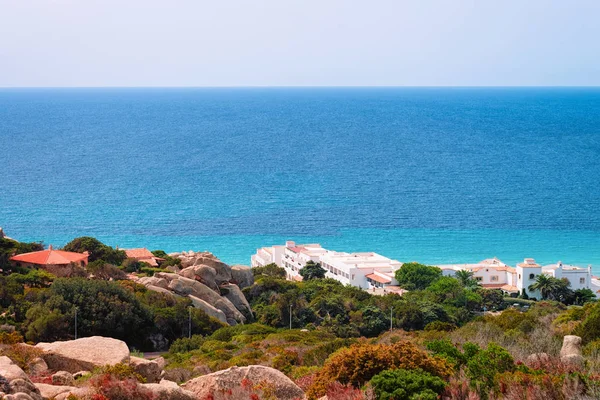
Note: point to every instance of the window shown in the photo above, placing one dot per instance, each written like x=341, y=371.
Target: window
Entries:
x=478, y=278
x=582, y=281
x=531, y=276
x=494, y=278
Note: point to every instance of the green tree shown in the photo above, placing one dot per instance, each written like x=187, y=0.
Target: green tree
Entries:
x=168, y=260
x=550, y=287
x=9, y=290
x=485, y=364
x=582, y=296
x=311, y=271
x=96, y=249
x=404, y=384
x=465, y=277
x=415, y=276
x=271, y=270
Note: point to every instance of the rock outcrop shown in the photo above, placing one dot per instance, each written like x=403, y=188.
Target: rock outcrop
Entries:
x=53, y=391
x=213, y=286
x=84, y=354
x=242, y=276
x=570, y=353
x=17, y=384
x=232, y=379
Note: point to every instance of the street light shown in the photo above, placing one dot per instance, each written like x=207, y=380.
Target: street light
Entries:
x=290, y=316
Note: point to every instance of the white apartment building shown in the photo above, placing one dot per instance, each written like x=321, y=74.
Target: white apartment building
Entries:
x=365, y=270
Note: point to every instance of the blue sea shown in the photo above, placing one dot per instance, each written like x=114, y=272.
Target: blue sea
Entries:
x=436, y=175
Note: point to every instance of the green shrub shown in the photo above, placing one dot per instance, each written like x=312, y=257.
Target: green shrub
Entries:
x=402, y=384
x=184, y=345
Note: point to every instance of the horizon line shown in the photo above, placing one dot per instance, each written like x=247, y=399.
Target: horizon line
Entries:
x=302, y=87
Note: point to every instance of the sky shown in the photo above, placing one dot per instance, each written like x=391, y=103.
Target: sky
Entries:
x=74, y=43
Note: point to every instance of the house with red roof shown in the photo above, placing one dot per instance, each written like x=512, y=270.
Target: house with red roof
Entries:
x=143, y=255
x=57, y=262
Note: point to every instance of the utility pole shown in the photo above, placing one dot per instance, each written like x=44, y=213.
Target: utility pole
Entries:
x=75, y=322
x=189, y=322
x=290, y=316
x=391, y=319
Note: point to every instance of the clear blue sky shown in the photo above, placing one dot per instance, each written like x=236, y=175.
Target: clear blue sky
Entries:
x=299, y=42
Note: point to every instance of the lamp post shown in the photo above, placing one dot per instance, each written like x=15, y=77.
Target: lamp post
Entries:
x=391, y=319
x=290, y=316
x=189, y=322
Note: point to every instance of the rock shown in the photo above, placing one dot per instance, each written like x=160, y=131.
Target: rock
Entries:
x=166, y=276
x=161, y=290
x=81, y=374
x=63, y=378
x=202, y=273
x=208, y=309
x=159, y=342
x=84, y=354
x=146, y=368
x=538, y=358
x=570, y=353
x=18, y=396
x=37, y=367
x=11, y=371
x=81, y=393
x=154, y=281
x=184, y=286
x=237, y=298
x=7, y=328
x=242, y=276
x=16, y=381
x=167, y=390
x=178, y=375
x=161, y=362
x=223, y=271
x=217, y=383
x=52, y=391
x=201, y=370
x=173, y=268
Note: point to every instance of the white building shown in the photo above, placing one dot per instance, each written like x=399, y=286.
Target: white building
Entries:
x=372, y=270
x=494, y=274
x=365, y=270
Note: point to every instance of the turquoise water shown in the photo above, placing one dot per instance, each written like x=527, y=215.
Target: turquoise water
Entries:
x=432, y=175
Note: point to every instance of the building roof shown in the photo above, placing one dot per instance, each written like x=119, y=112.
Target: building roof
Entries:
x=378, y=278
x=138, y=253
x=50, y=257
x=528, y=263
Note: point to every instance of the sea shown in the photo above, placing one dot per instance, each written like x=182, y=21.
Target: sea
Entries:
x=434, y=175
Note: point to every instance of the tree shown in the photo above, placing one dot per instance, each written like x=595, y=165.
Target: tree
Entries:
x=96, y=249
x=403, y=384
x=415, y=276
x=312, y=271
x=465, y=277
x=272, y=270
x=551, y=287
x=582, y=296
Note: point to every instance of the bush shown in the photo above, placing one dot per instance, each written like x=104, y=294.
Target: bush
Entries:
x=96, y=249
x=415, y=276
x=357, y=364
x=485, y=364
x=402, y=384
x=185, y=345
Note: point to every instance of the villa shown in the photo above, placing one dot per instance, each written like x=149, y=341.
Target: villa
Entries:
x=374, y=271
x=58, y=262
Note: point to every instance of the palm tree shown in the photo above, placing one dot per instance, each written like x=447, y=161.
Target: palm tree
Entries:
x=465, y=278
x=547, y=285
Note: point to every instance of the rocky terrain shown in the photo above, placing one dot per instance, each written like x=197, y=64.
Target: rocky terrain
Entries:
x=64, y=369
x=212, y=285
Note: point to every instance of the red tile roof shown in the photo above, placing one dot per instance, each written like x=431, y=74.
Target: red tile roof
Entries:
x=139, y=253
x=377, y=278
x=50, y=257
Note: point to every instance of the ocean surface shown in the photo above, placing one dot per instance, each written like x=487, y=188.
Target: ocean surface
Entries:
x=436, y=175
